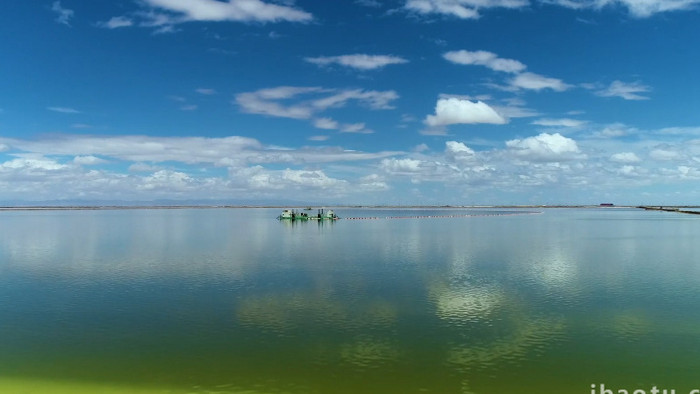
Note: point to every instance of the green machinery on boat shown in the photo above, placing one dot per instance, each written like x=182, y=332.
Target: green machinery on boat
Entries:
x=293, y=214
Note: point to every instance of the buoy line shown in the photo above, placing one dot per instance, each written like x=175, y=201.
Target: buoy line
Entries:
x=439, y=216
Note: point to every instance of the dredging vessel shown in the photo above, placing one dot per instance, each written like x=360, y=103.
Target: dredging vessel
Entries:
x=293, y=214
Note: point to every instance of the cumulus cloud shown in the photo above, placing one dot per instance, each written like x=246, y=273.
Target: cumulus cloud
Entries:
x=164, y=15
x=394, y=165
x=318, y=138
x=373, y=182
x=260, y=178
x=486, y=59
x=172, y=181
x=330, y=124
x=664, y=154
x=532, y=81
x=625, y=157
x=266, y=101
x=142, y=167
x=224, y=151
x=369, y=3
x=358, y=61
x=469, y=9
x=32, y=163
x=563, y=122
x=63, y=110
x=310, y=101
x=458, y=151
x=326, y=124
x=515, y=109
x=75, y=166
x=356, y=128
x=627, y=91
x=116, y=22
x=88, y=160
x=370, y=98
x=231, y=10
x=614, y=130
x=545, y=148
x=639, y=9
x=463, y=9
x=63, y=15
x=460, y=111
x=686, y=172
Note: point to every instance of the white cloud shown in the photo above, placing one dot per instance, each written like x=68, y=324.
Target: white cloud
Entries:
x=629, y=171
x=686, y=172
x=690, y=131
x=394, y=165
x=538, y=82
x=57, y=167
x=463, y=9
x=545, y=148
x=224, y=151
x=189, y=107
x=326, y=124
x=486, y=59
x=63, y=110
x=515, y=110
x=88, y=160
x=264, y=102
x=205, y=91
x=369, y=3
x=260, y=178
x=421, y=148
x=356, y=128
x=459, y=111
x=637, y=8
x=458, y=151
x=231, y=10
x=563, y=122
x=4, y=147
x=143, y=167
x=318, y=138
x=358, y=61
x=370, y=98
x=116, y=22
x=627, y=91
x=304, y=178
x=664, y=154
x=625, y=157
x=373, y=182
x=167, y=180
x=32, y=163
x=64, y=15
x=614, y=130
x=309, y=101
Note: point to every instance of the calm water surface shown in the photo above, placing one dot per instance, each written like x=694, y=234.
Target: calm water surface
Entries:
x=233, y=301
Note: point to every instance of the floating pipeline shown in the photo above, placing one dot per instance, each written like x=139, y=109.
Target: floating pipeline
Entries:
x=440, y=216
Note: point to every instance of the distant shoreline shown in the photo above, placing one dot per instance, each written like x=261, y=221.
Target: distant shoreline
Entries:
x=669, y=208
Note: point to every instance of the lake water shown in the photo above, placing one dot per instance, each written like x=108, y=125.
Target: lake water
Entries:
x=234, y=301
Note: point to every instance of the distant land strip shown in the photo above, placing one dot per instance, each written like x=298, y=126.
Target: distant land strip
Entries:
x=671, y=209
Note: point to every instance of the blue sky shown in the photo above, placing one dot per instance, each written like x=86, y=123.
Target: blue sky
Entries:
x=351, y=101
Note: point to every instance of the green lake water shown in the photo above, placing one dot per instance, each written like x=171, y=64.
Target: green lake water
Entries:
x=234, y=301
